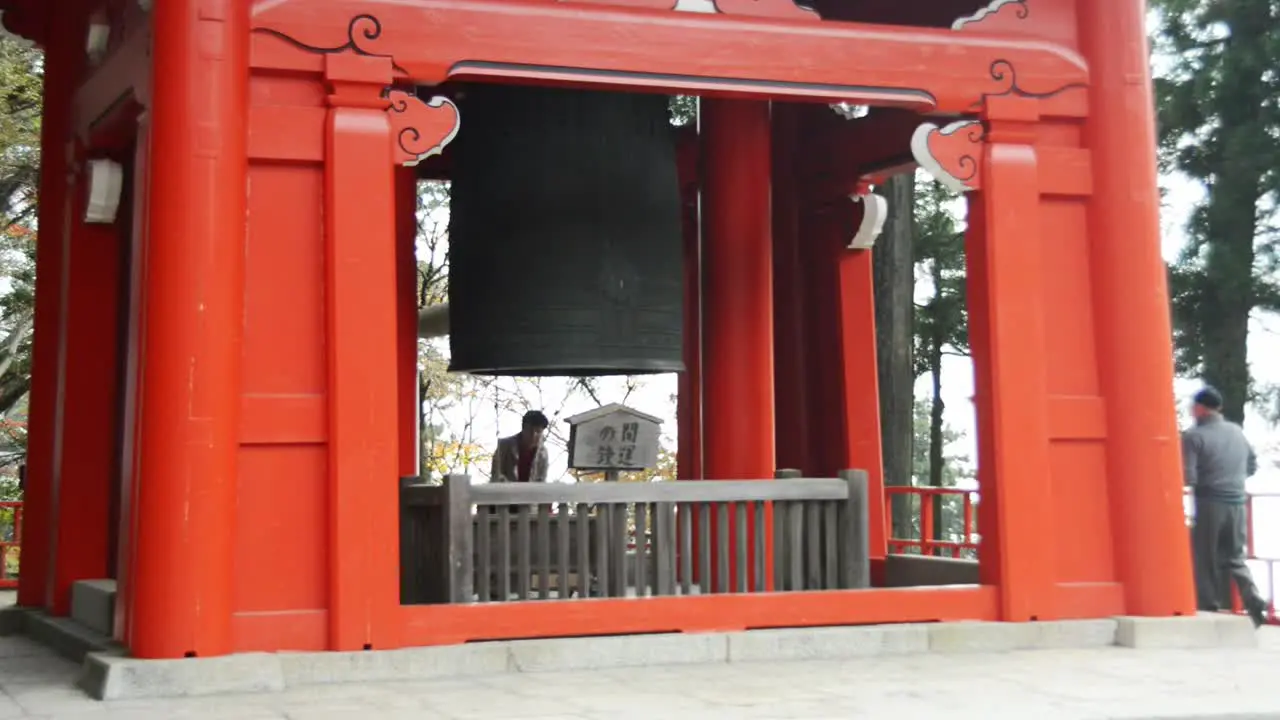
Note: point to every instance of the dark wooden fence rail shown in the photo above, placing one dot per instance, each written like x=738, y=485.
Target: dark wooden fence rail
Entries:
x=498, y=542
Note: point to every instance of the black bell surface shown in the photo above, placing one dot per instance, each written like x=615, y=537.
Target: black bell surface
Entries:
x=565, y=234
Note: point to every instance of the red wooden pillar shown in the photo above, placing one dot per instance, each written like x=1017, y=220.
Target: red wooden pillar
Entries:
x=861, y=385
x=1010, y=364
x=791, y=276
x=978, y=298
x=1132, y=314
x=129, y=418
x=689, y=389
x=364, y=405
x=737, y=379
x=689, y=393
x=63, y=66
x=407, y=316
x=189, y=426
x=827, y=229
x=86, y=464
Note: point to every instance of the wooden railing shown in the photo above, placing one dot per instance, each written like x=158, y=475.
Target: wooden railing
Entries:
x=10, y=543
x=951, y=510
x=465, y=543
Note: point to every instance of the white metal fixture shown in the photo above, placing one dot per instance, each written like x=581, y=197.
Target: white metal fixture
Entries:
x=105, y=178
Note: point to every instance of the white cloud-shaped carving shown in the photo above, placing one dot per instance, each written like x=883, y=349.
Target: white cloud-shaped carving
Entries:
x=991, y=8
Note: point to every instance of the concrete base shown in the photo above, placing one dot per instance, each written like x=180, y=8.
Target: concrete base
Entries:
x=1205, y=630
x=62, y=635
x=12, y=621
x=93, y=604
x=926, y=571
x=110, y=676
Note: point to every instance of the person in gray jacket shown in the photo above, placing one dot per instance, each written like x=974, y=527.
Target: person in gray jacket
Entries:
x=1216, y=459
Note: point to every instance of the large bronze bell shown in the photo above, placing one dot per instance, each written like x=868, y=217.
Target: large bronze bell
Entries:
x=565, y=234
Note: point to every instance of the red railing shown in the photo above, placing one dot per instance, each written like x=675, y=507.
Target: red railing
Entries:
x=10, y=543
x=1267, y=583
x=960, y=537
x=956, y=542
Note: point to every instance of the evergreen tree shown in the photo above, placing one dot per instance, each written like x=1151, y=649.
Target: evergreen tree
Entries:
x=1219, y=105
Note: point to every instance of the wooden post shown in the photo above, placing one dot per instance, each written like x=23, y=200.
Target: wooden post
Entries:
x=457, y=538
x=1006, y=310
x=737, y=377
x=855, y=526
x=63, y=68
x=1131, y=313
x=189, y=427
x=861, y=385
x=362, y=343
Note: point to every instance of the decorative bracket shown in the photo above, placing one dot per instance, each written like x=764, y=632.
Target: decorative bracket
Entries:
x=105, y=180
x=951, y=154
x=995, y=11
x=776, y=9
x=875, y=209
x=421, y=128
x=780, y=9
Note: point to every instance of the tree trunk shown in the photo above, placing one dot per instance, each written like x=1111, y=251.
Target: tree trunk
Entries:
x=1232, y=210
x=894, y=277
x=936, y=443
x=424, y=437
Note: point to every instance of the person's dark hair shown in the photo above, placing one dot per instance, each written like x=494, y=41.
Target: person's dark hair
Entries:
x=1208, y=397
x=535, y=419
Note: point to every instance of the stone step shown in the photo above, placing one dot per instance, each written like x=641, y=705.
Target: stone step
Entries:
x=93, y=605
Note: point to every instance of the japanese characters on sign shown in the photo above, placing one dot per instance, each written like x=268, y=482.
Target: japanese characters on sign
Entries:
x=613, y=438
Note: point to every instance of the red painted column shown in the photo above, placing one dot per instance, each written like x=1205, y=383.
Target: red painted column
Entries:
x=361, y=312
x=189, y=427
x=62, y=70
x=826, y=231
x=86, y=467
x=1131, y=304
x=790, y=278
x=131, y=451
x=861, y=385
x=689, y=397
x=407, y=316
x=1012, y=359
x=737, y=379
x=689, y=389
x=978, y=302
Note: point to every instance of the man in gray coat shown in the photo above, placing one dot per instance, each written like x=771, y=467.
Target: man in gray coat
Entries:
x=1216, y=459
x=522, y=457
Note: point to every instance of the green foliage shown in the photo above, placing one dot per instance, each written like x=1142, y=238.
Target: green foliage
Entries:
x=948, y=511
x=941, y=323
x=684, y=109
x=1218, y=95
x=955, y=467
x=9, y=490
x=21, y=87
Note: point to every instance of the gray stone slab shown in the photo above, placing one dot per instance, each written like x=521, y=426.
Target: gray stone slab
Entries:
x=617, y=651
x=302, y=669
x=1221, y=683
x=111, y=677
x=967, y=637
x=12, y=621
x=66, y=637
x=1066, y=634
x=1204, y=630
x=827, y=643
x=93, y=604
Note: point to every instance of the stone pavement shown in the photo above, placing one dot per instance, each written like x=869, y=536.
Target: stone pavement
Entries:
x=1043, y=684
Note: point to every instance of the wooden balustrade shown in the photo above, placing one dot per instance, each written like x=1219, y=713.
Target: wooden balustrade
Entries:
x=499, y=542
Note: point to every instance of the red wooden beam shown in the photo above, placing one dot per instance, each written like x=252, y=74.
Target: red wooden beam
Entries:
x=922, y=69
